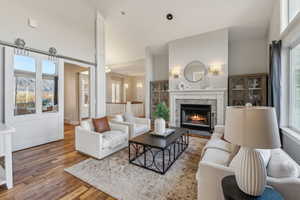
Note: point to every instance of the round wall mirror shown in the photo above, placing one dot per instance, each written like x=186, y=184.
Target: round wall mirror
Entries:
x=195, y=71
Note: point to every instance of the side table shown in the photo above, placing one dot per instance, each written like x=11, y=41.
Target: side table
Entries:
x=231, y=191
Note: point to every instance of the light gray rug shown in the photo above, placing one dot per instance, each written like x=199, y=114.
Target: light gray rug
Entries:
x=116, y=177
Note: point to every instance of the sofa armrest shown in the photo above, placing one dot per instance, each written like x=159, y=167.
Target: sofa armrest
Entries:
x=120, y=127
x=131, y=127
x=289, y=188
x=143, y=121
x=209, y=177
x=88, y=142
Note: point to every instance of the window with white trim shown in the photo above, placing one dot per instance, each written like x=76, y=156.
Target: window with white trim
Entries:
x=49, y=86
x=293, y=9
x=295, y=88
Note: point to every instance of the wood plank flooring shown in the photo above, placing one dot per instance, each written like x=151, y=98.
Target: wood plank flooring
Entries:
x=39, y=173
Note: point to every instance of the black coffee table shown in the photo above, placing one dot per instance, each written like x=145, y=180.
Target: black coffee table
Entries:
x=158, y=153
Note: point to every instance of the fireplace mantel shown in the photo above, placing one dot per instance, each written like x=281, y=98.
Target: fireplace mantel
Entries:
x=222, y=90
x=218, y=94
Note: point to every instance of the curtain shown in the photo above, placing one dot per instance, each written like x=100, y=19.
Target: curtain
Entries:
x=275, y=77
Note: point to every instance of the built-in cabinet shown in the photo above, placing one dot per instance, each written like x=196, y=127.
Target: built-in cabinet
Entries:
x=159, y=92
x=248, y=88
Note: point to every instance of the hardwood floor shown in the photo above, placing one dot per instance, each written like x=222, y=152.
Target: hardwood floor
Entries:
x=39, y=173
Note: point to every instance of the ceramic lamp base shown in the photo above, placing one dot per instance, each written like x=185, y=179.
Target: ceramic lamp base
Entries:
x=251, y=175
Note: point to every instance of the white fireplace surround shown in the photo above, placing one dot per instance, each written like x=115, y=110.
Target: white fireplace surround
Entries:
x=220, y=95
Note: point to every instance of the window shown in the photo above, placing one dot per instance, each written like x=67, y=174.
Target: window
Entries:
x=25, y=85
x=115, y=92
x=49, y=86
x=295, y=88
x=293, y=9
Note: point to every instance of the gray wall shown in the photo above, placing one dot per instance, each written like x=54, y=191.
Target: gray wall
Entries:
x=160, y=67
x=248, y=56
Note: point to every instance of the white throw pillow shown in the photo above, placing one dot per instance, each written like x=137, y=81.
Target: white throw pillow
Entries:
x=281, y=165
x=119, y=118
x=128, y=117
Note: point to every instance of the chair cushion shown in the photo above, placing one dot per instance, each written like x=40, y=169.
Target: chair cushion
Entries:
x=128, y=117
x=140, y=128
x=216, y=156
x=281, y=165
x=101, y=124
x=113, y=138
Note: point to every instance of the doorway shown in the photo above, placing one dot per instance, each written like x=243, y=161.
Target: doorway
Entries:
x=77, y=93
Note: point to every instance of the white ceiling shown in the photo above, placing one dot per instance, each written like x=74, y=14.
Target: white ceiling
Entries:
x=144, y=23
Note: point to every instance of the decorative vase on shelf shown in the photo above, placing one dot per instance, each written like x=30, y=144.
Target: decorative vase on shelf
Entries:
x=160, y=126
x=161, y=114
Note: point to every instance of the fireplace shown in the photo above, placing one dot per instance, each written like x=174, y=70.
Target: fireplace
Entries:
x=196, y=116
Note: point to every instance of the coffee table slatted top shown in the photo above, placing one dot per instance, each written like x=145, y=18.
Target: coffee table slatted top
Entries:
x=159, y=141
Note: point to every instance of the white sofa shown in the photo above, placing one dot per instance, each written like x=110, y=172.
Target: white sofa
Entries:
x=214, y=166
x=137, y=127
x=100, y=145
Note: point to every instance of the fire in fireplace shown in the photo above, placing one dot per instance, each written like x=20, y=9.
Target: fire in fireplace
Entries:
x=196, y=116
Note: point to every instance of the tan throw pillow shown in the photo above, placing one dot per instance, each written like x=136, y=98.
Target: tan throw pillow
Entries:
x=101, y=125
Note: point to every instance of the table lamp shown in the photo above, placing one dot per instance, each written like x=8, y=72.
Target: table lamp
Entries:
x=252, y=128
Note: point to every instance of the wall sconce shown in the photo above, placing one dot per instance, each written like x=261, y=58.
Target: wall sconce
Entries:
x=175, y=72
x=126, y=86
x=215, y=69
x=107, y=69
x=139, y=85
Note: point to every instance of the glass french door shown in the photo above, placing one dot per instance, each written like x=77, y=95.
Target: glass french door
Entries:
x=33, y=98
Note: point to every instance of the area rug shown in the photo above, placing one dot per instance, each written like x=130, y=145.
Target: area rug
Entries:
x=116, y=177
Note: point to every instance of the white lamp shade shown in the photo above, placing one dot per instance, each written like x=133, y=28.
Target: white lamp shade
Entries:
x=254, y=127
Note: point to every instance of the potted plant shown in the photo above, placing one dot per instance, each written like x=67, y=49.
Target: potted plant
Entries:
x=161, y=116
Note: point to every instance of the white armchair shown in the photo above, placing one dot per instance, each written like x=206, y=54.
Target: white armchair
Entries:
x=211, y=172
x=137, y=127
x=100, y=145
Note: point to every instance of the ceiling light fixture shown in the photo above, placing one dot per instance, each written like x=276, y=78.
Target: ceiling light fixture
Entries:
x=123, y=13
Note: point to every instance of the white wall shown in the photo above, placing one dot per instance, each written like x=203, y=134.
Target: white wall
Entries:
x=248, y=57
x=209, y=48
x=275, y=23
x=67, y=25
x=160, y=67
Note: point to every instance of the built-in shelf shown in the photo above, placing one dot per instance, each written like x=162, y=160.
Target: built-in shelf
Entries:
x=159, y=93
x=248, y=88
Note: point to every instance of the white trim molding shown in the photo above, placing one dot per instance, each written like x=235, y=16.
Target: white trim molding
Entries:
x=220, y=95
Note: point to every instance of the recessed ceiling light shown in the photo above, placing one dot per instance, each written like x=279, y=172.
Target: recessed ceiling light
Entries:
x=169, y=16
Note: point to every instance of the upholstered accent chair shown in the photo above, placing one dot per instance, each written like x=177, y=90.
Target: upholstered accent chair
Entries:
x=137, y=126
x=100, y=145
x=283, y=171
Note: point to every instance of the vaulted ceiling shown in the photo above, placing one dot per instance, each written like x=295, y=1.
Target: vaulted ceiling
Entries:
x=143, y=22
